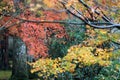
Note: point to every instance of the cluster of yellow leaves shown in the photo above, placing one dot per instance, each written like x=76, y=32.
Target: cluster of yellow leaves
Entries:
x=77, y=55
x=47, y=67
x=99, y=36
x=6, y=6
x=87, y=56
x=111, y=8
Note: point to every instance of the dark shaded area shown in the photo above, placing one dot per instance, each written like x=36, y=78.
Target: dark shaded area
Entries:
x=59, y=47
x=4, y=56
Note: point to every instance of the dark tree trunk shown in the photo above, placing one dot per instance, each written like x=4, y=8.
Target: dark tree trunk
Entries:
x=20, y=68
x=4, y=52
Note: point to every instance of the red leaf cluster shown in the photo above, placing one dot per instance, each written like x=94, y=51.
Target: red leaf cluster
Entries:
x=35, y=35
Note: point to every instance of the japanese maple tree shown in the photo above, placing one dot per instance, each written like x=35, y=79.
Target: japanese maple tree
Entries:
x=35, y=30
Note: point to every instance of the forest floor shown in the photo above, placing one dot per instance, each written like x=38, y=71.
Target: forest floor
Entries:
x=5, y=74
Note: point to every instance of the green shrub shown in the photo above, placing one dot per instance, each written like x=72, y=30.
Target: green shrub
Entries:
x=59, y=47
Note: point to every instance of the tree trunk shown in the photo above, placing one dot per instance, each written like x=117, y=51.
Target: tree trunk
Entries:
x=20, y=68
x=4, y=52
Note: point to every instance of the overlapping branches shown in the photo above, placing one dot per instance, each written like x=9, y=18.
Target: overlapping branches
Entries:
x=98, y=11
x=105, y=23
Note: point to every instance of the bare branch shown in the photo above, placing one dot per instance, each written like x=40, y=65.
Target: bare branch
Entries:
x=48, y=21
x=54, y=10
x=88, y=7
x=61, y=22
x=105, y=24
x=2, y=29
x=79, y=15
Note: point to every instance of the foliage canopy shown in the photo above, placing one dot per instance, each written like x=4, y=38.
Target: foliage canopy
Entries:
x=38, y=22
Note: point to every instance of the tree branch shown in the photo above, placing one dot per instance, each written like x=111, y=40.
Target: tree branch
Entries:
x=61, y=22
x=79, y=15
x=48, y=21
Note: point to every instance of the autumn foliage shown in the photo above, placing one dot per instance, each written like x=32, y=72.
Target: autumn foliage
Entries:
x=36, y=24
x=36, y=35
x=89, y=57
